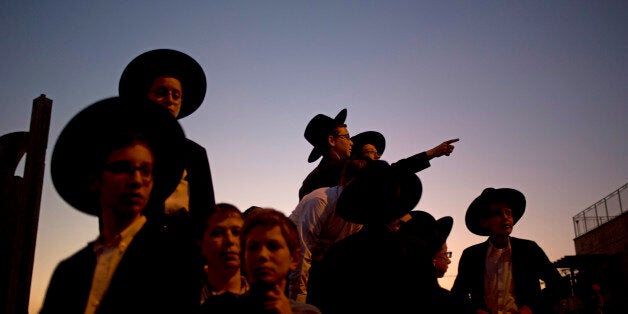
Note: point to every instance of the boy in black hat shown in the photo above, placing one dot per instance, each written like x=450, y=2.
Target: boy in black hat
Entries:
x=426, y=240
x=502, y=274
x=364, y=272
x=175, y=81
x=332, y=141
x=118, y=162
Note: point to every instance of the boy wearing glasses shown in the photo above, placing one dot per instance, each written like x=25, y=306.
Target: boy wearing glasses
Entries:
x=441, y=261
x=501, y=275
x=173, y=80
x=332, y=141
x=126, y=167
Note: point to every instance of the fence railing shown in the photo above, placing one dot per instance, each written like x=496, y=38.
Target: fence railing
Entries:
x=601, y=212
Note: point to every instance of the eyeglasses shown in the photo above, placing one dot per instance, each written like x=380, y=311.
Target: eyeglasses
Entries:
x=445, y=255
x=125, y=167
x=345, y=136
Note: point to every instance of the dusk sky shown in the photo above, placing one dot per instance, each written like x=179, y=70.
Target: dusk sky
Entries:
x=535, y=90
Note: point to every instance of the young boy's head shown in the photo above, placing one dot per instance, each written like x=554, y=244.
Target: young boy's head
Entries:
x=220, y=237
x=498, y=219
x=166, y=77
x=495, y=212
x=328, y=136
x=119, y=155
x=270, y=246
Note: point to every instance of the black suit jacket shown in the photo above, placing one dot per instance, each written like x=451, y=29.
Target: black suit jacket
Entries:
x=373, y=270
x=529, y=264
x=199, y=178
x=326, y=174
x=159, y=273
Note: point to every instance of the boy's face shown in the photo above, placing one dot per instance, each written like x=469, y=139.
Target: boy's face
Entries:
x=221, y=241
x=499, y=220
x=168, y=93
x=126, y=180
x=341, y=142
x=441, y=261
x=267, y=257
x=369, y=151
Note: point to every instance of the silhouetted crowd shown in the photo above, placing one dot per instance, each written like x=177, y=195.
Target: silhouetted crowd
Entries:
x=353, y=244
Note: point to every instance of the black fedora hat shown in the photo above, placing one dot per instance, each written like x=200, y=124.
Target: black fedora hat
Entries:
x=379, y=193
x=90, y=136
x=141, y=71
x=369, y=137
x=318, y=129
x=424, y=226
x=480, y=206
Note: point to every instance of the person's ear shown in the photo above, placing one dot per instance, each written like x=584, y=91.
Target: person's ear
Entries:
x=331, y=140
x=294, y=259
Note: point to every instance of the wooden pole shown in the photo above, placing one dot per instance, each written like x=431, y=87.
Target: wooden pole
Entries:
x=26, y=215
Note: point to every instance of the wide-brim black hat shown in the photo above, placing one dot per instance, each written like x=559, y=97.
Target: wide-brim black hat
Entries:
x=141, y=71
x=369, y=137
x=480, y=206
x=424, y=226
x=379, y=194
x=92, y=134
x=318, y=129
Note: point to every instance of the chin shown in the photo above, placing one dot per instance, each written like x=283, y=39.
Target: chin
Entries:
x=266, y=280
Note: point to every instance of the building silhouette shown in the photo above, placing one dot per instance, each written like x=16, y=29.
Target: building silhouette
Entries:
x=598, y=273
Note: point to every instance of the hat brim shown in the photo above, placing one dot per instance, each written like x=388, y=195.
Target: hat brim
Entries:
x=141, y=71
x=478, y=209
x=316, y=132
x=87, y=139
x=379, y=194
x=369, y=137
x=315, y=154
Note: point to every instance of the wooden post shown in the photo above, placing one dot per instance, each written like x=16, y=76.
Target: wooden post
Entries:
x=23, y=211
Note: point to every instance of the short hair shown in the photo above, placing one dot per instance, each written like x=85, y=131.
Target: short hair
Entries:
x=269, y=217
x=334, y=130
x=221, y=209
x=115, y=140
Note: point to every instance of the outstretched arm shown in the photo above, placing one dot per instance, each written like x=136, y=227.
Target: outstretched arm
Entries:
x=444, y=148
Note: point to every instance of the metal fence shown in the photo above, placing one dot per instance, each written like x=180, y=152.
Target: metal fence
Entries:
x=601, y=212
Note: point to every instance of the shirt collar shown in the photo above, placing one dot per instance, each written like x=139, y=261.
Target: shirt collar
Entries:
x=122, y=239
x=492, y=250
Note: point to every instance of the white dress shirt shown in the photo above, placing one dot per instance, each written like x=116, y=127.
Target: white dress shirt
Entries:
x=498, y=283
x=108, y=256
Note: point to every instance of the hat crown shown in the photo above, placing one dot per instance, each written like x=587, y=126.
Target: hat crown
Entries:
x=368, y=137
x=379, y=193
x=425, y=227
x=318, y=128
